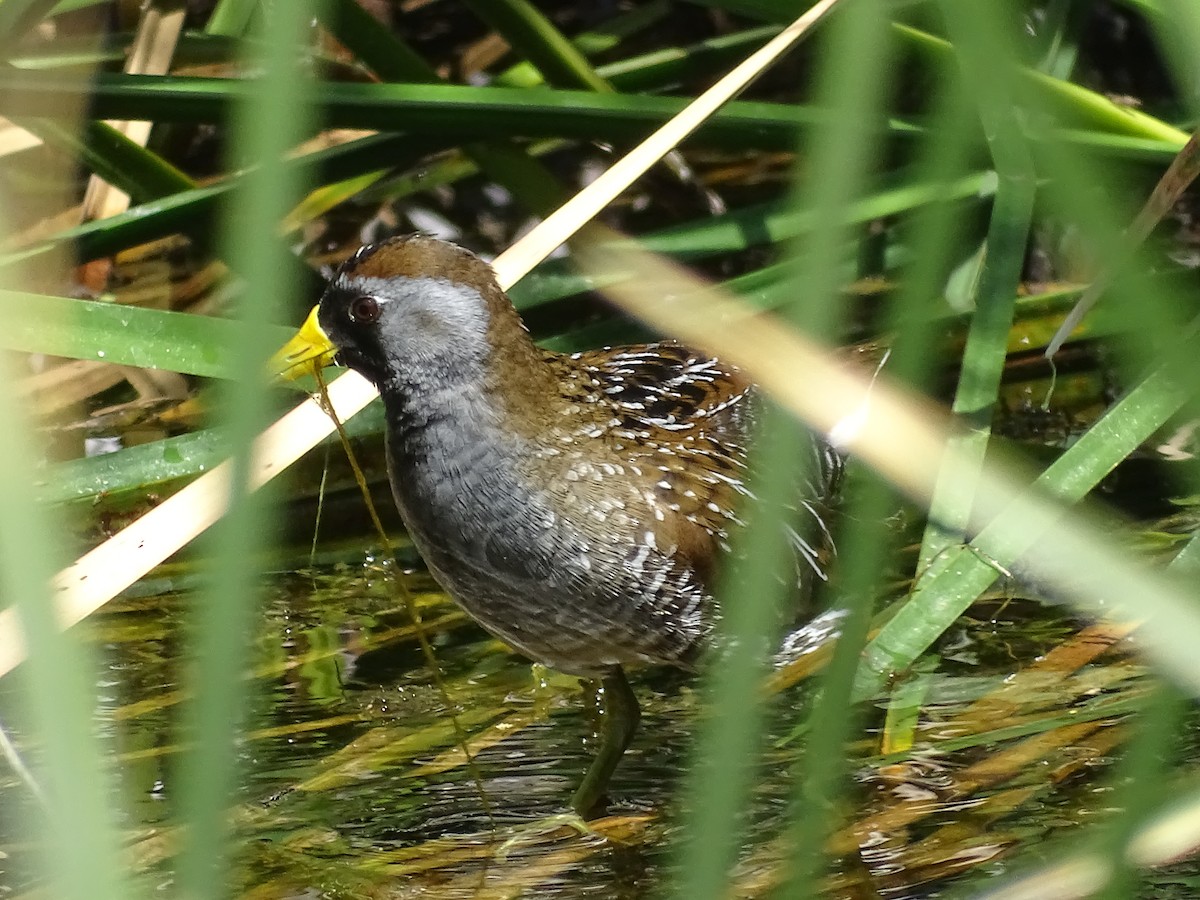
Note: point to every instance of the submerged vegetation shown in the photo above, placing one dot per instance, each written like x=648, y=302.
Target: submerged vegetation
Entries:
x=997, y=698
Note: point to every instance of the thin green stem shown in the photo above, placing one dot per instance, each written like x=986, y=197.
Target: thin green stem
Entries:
x=271, y=120
x=1008, y=233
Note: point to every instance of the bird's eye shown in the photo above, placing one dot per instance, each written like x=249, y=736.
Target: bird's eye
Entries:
x=364, y=311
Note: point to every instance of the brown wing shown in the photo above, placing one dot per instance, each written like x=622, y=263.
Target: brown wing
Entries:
x=672, y=389
x=691, y=418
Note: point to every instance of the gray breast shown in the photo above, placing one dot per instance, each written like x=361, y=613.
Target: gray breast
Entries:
x=527, y=572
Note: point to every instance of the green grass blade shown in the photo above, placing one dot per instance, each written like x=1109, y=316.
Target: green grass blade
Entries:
x=822, y=770
x=192, y=212
x=851, y=87
x=728, y=739
x=121, y=162
x=145, y=467
x=959, y=575
x=984, y=62
x=534, y=36
x=272, y=119
x=464, y=112
x=231, y=18
x=673, y=65
x=57, y=683
x=1138, y=788
x=124, y=335
x=1058, y=44
x=57, y=680
x=375, y=46
x=600, y=38
x=853, y=82
x=535, y=186
x=1070, y=103
x=1178, y=29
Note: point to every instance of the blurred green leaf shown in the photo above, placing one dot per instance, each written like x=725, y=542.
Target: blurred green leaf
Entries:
x=451, y=110
x=124, y=335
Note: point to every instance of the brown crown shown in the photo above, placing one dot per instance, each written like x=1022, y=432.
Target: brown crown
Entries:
x=418, y=256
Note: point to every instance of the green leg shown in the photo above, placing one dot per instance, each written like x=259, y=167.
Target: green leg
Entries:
x=620, y=722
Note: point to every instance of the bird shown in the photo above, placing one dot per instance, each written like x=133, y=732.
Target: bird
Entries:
x=575, y=505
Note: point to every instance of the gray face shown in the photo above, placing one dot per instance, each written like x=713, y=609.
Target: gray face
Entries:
x=406, y=332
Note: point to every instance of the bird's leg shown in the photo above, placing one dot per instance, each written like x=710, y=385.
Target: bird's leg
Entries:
x=617, y=727
x=618, y=723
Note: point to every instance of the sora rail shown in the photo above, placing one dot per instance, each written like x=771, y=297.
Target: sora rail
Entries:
x=574, y=505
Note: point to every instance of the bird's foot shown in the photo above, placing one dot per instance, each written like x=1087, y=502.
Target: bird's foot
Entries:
x=543, y=830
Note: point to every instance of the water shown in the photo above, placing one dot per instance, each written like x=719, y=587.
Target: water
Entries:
x=353, y=784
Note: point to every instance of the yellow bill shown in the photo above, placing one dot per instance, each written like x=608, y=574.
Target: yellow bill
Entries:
x=309, y=351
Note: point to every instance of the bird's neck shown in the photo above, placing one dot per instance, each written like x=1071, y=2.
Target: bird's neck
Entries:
x=456, y=455
x=518, y=375
x=497, y=381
